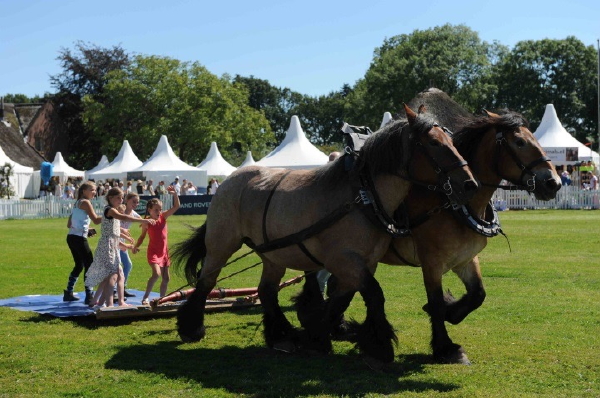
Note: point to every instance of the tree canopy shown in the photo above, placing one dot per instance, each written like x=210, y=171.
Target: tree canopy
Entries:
x=559, y=72
x=147, y=96
x=156, y=96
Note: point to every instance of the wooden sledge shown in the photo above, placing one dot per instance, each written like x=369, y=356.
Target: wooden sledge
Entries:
x=170, y=308
x=218, y=300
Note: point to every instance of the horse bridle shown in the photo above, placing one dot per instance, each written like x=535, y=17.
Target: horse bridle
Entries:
x=529, y=184
x=443, y=178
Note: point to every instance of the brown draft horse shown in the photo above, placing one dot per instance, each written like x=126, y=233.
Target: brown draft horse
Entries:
x=275, y=212
x=497, y=147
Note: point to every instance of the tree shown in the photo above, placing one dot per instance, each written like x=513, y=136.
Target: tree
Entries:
x=157, y=96
x=451, y=58
x=22, y=99
x=561, y=72
x=84, y=72
x=324, y=116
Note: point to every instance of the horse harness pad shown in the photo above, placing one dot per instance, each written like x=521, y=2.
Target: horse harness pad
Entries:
x=486, y=228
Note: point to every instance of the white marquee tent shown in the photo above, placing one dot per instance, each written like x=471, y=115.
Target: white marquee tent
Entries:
x=165, y=165
x=63, y=171
x=21, y=182
x=101, y=164
x=249, y=161
x=561, y=147
x=124, y=162
x=214, y=164
x=295, y=151
x=387, y=117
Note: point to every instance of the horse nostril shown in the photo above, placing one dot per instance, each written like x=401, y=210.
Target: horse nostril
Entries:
x=470, y=186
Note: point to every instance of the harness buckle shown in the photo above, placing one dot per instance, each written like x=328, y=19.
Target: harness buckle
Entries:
x=364, y=197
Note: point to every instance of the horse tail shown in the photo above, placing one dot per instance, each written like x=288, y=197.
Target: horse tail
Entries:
x=191, y=251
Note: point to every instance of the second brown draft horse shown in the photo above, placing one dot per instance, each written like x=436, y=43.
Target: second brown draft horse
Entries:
x=310, y=219
x=444, y=237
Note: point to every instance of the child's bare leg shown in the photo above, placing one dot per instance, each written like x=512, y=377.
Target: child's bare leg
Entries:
x=121, y=287
x=98, y=298
x=166, y=277
x=109, y=288
x=153, y=278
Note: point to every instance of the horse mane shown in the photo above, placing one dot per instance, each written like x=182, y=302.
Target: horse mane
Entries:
x=385, y=149
x=468, y=138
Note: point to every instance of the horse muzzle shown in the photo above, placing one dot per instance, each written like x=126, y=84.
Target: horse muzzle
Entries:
x=546, y=188
x=461, y=193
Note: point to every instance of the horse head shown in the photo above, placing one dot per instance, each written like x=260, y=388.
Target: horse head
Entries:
x=519, y=158
x=436, y=158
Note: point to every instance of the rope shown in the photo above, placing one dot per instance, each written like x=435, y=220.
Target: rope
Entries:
x=219, y=269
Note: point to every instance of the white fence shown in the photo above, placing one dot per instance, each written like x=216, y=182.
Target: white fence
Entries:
x=568, y=197
x=52, y=207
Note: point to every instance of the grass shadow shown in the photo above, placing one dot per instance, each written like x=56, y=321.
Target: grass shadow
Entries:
x=260, y=372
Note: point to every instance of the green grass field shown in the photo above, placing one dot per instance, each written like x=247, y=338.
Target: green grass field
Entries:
x=536, y=335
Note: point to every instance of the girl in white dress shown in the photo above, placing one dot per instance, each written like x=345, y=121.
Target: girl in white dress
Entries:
x=106, y=271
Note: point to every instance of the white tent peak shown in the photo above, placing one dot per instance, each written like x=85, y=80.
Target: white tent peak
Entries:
x=164, y=157
x=550, y=126
x=295, y=151
x=551, y=134
x=62, y=169
x=214, y=164
x=165, y=165
x=249, y=161
x=124, y=161
x=387, y=117
x=17, y=167
x=101, y=164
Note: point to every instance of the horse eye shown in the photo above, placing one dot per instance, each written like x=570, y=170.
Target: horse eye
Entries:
x=434, y=143
x=520, y=143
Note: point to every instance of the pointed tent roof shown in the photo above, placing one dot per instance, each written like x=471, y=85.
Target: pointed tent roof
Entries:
x=295, y=151
x=551, y=134
x=249, y=161
x=214, y=164
x=62, y=169
x=101, y=164
x=124, y=161
x=164, y=158
x=165, y=165
x=386, y=119
x=17, y=167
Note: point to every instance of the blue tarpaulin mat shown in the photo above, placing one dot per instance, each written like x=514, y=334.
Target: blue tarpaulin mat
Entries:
x=53, y=304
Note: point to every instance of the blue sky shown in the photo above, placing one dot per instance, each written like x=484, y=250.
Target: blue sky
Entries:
x=312, y=47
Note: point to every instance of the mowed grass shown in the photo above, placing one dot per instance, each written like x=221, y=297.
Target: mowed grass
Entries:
x=536, y=335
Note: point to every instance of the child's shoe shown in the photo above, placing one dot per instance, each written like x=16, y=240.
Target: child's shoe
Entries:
x=68, y=296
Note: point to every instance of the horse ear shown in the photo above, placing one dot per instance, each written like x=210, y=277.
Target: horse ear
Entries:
x=422, y=109
x=490, y=114
x=410, y=114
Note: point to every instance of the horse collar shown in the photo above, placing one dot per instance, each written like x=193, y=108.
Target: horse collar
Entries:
x=369, y=200
x=486, y=228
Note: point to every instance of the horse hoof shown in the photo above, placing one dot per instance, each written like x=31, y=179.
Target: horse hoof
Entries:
x=457, y=357
x=375, y=364
x=285, y=346
x=193, y=337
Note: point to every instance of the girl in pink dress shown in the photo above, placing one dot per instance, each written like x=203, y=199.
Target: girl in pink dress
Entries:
x=158, y=251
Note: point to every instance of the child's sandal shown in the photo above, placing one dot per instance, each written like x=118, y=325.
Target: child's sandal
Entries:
x=145, y=301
